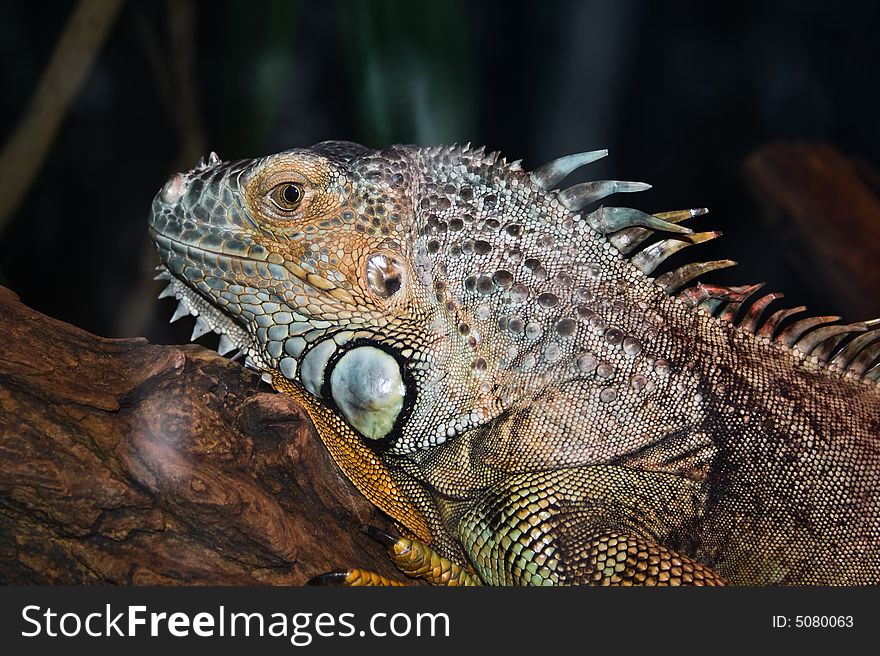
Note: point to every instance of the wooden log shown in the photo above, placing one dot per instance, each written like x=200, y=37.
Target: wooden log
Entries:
x=125, y=462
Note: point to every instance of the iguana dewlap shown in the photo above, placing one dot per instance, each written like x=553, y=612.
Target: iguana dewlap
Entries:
x=491, y=362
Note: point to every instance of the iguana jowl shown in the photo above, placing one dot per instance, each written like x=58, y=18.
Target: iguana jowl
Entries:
x=489, y=361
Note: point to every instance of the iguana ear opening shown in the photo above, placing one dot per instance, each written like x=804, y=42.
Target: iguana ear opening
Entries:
x=385, y=276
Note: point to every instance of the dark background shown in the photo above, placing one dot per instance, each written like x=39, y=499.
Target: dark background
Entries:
x=681, y=93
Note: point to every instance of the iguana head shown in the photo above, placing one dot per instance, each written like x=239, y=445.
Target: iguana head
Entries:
x=415, y=292
x=300, y=260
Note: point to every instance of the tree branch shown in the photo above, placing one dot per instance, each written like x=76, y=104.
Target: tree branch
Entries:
x=130, y=463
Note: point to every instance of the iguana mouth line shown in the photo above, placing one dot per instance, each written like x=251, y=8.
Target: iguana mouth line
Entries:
x=194, y=302
x=182, y=247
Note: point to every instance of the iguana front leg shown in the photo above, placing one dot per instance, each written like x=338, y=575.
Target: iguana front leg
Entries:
x=600, y=557
x=590, y=526
x=598, y=525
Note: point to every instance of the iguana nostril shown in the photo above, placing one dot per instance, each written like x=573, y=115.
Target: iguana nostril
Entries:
x=174, y=189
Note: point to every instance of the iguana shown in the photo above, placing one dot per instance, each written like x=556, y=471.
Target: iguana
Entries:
x=490, y=361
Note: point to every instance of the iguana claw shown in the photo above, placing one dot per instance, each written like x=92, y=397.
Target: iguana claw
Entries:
x=417, y=560
x=386, y=539
x=353, y=578
x=414, y=558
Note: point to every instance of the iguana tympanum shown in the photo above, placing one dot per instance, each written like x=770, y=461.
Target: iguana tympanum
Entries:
x=490, y=361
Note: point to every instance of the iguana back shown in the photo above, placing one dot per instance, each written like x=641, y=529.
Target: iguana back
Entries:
x=492, y=365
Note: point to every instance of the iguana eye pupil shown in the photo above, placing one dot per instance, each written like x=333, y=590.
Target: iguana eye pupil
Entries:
x=286, y=196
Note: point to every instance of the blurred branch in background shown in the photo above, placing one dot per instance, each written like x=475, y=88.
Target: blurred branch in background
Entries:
x=825, y=210
x=71, y=61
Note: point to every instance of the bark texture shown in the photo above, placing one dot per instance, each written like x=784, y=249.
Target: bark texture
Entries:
x=125, y=462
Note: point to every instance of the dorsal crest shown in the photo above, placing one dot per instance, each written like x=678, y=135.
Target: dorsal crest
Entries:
x=850, y=349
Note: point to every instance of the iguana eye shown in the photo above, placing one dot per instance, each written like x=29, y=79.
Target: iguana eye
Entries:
x=385, y=275
x=286, y=196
